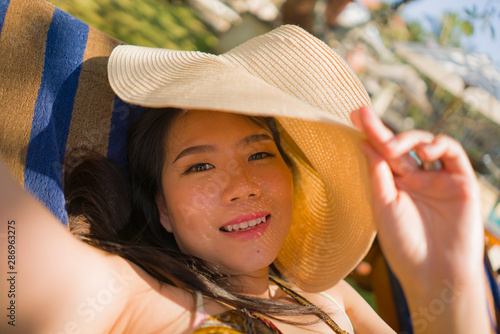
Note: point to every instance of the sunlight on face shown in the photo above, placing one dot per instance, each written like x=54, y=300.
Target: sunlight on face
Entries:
x=227, y=191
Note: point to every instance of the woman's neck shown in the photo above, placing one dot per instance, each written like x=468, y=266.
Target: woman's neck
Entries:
x=256, y=284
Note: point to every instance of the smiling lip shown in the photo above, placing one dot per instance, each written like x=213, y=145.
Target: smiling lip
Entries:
x=247, y=227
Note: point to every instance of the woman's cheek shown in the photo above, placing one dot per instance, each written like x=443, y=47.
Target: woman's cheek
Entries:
x=280, y=183
x=282, y=193
x=194, y=198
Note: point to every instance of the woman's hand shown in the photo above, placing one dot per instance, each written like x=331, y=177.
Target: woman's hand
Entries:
x=429, y=223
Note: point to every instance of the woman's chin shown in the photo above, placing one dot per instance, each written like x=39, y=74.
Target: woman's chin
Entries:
x=254, y=266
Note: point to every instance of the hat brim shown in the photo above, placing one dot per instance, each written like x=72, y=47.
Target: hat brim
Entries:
x=206, y=83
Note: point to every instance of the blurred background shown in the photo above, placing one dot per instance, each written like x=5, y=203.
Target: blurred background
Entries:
x=429, y=64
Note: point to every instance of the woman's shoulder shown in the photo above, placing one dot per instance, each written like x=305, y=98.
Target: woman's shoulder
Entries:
x=362, y=316
x=339, y=292
x=148, y=304
x=330, y=301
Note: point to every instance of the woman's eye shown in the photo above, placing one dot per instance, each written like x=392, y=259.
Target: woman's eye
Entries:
x=260, y=155
x=199, y=168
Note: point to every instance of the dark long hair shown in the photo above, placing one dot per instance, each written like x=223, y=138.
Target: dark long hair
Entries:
x=119, y=214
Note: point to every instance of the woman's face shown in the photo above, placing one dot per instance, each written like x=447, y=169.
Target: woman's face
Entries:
x=227, y=193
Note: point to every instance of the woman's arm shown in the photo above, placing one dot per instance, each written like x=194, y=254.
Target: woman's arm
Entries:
x=51, y=282
x=59, y=284
x=430, y=226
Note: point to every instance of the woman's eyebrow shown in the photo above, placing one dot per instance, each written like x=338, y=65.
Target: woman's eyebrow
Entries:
x=210, y=148
x=195, y=149
x=254, y=138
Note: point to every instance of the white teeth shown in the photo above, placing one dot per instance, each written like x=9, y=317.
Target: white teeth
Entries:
x=244, y=225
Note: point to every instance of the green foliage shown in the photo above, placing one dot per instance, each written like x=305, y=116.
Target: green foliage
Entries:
x=447, y=31
x=485, y=16
x=417, y=34
x=156, y=23
x=451, y=28
x=467, y=28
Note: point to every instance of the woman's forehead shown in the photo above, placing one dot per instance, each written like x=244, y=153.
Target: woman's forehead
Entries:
x=199, y=124
x=197, y=127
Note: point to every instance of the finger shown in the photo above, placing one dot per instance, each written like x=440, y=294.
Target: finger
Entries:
x=380, y=137
x=383, y=186
x=404, y=165
x=397, y=151
x=373, y=127
x=450, y=152
x=394, y=148
x=355, y=118
x=404, y=142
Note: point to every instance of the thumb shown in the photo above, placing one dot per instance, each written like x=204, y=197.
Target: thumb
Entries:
x=384, y=189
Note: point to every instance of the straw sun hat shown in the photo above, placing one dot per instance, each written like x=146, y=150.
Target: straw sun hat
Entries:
x=292, y=76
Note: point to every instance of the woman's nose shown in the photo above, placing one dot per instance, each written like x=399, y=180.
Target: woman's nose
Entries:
x=241, y=186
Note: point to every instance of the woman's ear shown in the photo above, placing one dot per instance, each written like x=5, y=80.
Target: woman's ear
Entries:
x=161, y=204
